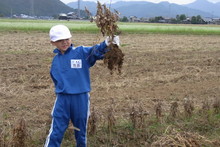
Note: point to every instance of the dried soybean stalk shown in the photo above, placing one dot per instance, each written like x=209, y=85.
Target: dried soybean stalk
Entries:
x=106, y=21
x=19, y=134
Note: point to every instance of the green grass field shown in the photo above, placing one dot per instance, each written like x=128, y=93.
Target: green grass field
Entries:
x=86, y=26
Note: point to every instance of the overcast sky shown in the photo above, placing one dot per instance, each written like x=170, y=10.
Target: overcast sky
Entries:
x=154, y=1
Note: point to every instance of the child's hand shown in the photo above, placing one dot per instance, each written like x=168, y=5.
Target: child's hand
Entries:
x=115, y=40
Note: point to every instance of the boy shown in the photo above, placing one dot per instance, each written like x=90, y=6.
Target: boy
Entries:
x=70, y=74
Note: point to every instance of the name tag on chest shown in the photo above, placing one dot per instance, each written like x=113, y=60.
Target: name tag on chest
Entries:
x=76, y=63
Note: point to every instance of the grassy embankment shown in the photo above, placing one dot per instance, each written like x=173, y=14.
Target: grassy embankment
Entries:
x=88, y=27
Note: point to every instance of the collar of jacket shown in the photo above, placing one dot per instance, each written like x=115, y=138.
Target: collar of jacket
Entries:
x=57, y=51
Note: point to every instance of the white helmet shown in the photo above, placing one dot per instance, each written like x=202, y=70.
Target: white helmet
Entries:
x=59, y=32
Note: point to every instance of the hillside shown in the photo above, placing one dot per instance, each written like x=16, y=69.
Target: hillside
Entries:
x=164, y=9
x=33, y=7
x=205, y=6
x=146, y=9
x=91, y=6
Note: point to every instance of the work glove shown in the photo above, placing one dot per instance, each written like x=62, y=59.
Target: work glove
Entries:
x=115, y=40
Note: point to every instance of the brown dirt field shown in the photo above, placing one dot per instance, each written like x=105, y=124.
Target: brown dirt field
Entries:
x=156, y=67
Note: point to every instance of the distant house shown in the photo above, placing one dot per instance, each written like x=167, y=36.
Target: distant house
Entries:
x=24, y=16
x=62, y=16
x=161, y=21
x=167, y=19
x=187, y=20
x=144, y=19
x=70, y=15
x=208, y=20
x=134, y=19
x=216, y=21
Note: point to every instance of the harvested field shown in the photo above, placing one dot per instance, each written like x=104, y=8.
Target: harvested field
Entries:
x=156, y=68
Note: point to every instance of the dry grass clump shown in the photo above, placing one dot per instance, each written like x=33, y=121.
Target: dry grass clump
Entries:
x=188, y=106
x=138, y=116
x=206, y=105
x=2, y=142
x=158, y=110
x=111, y=117
x=216, y=105
x=174, y=109
x=182, y=139
x=19, y=134
x=92, y=124
x=106, y=21
x=133, y=116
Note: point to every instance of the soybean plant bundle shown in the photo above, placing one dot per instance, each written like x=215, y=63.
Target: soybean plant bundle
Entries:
x=106, y=21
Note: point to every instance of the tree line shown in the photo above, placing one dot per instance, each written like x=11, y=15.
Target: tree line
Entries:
x=178, y=20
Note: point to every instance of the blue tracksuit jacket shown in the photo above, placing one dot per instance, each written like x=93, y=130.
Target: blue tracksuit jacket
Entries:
x=70, y=72
x=71, y=77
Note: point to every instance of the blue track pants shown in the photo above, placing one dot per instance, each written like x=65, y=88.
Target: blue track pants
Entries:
x=74, y=107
